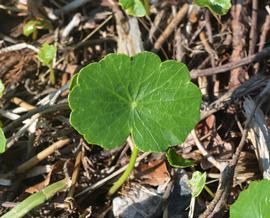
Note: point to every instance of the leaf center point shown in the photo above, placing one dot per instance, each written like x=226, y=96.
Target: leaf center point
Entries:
x=134, y=104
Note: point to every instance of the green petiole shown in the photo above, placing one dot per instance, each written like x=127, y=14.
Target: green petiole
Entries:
x=52, y=74
x=35, y=200
x=127, y=172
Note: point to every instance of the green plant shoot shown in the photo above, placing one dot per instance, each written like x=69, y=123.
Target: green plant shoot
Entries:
x=46, y=55
x=32, y=26
x=152, y=101
x=197, y=183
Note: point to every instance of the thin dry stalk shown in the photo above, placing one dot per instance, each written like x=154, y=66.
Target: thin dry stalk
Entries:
x=253, y=30
x=75, y=174
x=18, y=47
x=205, y=153
x=170, y=28
x=227, y=67
x=238, y=42
x=218, y=204
x=41, y=156
x=22, y=103
x=265, y=30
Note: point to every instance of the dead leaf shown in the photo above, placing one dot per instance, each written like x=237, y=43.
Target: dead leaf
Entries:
x=154, y=173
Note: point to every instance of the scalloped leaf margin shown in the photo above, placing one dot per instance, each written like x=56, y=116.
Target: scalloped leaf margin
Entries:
x=153, y=101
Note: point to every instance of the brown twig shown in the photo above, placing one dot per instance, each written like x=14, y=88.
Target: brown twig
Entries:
x=179, y=50
x=253, y=30
x=70, y=199
x=41, y=156
x=203, y=82
x=227, y=67
x=169, y=29
x=265, y=30
x=205, y=153
x=75, y=174
x=22, y=103
x=92, y=33
x=206, y=45
x=249, y=86
x=238, y=42
x=219, y=202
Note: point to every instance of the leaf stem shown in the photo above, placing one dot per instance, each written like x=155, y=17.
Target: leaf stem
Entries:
x=36, y=199
x=127, y=172
x=34, y=35
x=52, y=75
x=209, y=191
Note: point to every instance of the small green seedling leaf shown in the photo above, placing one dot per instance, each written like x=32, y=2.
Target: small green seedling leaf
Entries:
x=253, y=202
x=32, y=26
x=153, y=101
x=217, y=7
x=176, y=160
x=29, y=28
x=2, y=88
x=197, y=183
x=3, y=141
x=46, y=54
x=138, y=8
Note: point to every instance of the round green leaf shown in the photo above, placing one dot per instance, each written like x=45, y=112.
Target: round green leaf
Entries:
x=46, y=54
x=253, y=202
x=220, y=7
x=155, y=102
x=3, y=141
x=197, y=183
x=175, y=160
